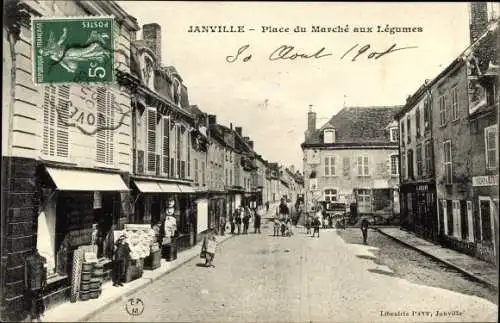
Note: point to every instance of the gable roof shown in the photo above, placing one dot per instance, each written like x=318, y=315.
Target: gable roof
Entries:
x=358, y=125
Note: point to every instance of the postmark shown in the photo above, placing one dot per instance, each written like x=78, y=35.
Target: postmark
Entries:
x=66, y=47
x=134, y=306
x=92, y=109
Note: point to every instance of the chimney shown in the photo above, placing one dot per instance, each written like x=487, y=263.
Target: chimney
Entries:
x=231, y=126
x=239, y=130
x=250, y=143
x=151, y=34
x=478, y=19
x=212, y=119
x=311, y=120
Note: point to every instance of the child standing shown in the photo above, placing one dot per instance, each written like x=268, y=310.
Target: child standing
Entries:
x=209, y=246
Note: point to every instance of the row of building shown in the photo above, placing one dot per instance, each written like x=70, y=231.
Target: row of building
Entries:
x=449, y=147
x=433, y=162
x=126, y=149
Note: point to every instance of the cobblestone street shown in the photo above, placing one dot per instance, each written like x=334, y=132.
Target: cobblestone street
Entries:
x=416, y=267
x=281, y=279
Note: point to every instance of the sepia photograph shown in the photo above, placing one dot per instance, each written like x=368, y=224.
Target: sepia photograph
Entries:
x=253, y=161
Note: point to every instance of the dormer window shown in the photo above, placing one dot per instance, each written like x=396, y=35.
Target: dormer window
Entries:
x=176, y=92
x=329, y=136
x=394, y=134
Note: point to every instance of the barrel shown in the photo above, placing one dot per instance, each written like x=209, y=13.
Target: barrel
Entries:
x=169, y=251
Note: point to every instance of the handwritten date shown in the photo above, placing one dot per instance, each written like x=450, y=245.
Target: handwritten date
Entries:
x=289, y=52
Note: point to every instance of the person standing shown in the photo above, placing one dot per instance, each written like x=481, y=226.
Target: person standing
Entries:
x=246, y=219
x=222, y=224
x=237, y=219
x=121, y=258
x=267, y=206
x=209, y=247
x=316, y=223
x=231, y=221
x=258, y=215
x=364, y=230
x=283, y=210
x=308, y=223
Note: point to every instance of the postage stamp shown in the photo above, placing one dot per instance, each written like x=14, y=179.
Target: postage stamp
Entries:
x=73, y=49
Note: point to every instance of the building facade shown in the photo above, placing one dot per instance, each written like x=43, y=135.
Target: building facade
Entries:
x=466, y=142
x=417, y=188
x=162, y=129
x=351, y=159
x=462, y=167
x=66, y=157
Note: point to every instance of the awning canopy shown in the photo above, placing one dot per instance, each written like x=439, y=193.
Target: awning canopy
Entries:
x=186, y=189
x=148, y=187
x=80, y=180
x=170, y=188
x=160, y=187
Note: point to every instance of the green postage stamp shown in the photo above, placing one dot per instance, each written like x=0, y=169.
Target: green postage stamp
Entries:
x=73, y=49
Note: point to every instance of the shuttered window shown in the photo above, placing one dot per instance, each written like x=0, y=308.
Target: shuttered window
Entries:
x=151, y=140
x=442, y=110
x=178, y=150
x=347, y=166
x=491, y=144
x=196, y=171
x=188, y=148
x=447, y=162
x=166, y=146
x=173, y=148
x=55, y=121
x=105, y=123
x=203, y=168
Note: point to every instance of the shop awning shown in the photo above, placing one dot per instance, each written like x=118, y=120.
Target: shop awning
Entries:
x=148, y=187
x=186, y=189
x=79, y=180
x=169, y=188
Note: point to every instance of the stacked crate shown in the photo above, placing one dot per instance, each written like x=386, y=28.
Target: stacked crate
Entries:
x=91, y=281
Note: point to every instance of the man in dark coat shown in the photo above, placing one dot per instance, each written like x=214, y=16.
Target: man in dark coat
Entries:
x=121, y=258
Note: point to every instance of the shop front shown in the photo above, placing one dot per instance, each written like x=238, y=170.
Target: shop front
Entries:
x=150, y=201
x=216, y=209
x=484, y=216
x=78, y=209
x=419, y=209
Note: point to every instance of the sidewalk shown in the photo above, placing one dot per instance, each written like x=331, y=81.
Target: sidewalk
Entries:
x=83, y=310
x=470, y=266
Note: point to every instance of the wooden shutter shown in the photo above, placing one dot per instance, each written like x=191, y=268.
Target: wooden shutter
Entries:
x=55, y=140
x=347, y=166
x=178, y=150
x=101, y=124
x=62, y=121
x=49, y=117
x=166, y=146
x=491, y=148
x=105, y=124
x=196, y=171
x=365, y=166
x=151, y=140
x=188, y=148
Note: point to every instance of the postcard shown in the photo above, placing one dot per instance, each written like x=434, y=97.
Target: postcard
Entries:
x=224, y=161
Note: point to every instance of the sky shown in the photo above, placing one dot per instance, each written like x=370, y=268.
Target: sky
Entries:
x=270, y=99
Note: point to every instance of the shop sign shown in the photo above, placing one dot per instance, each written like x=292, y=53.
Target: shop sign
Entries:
x=490, y=180
x=422, y=188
